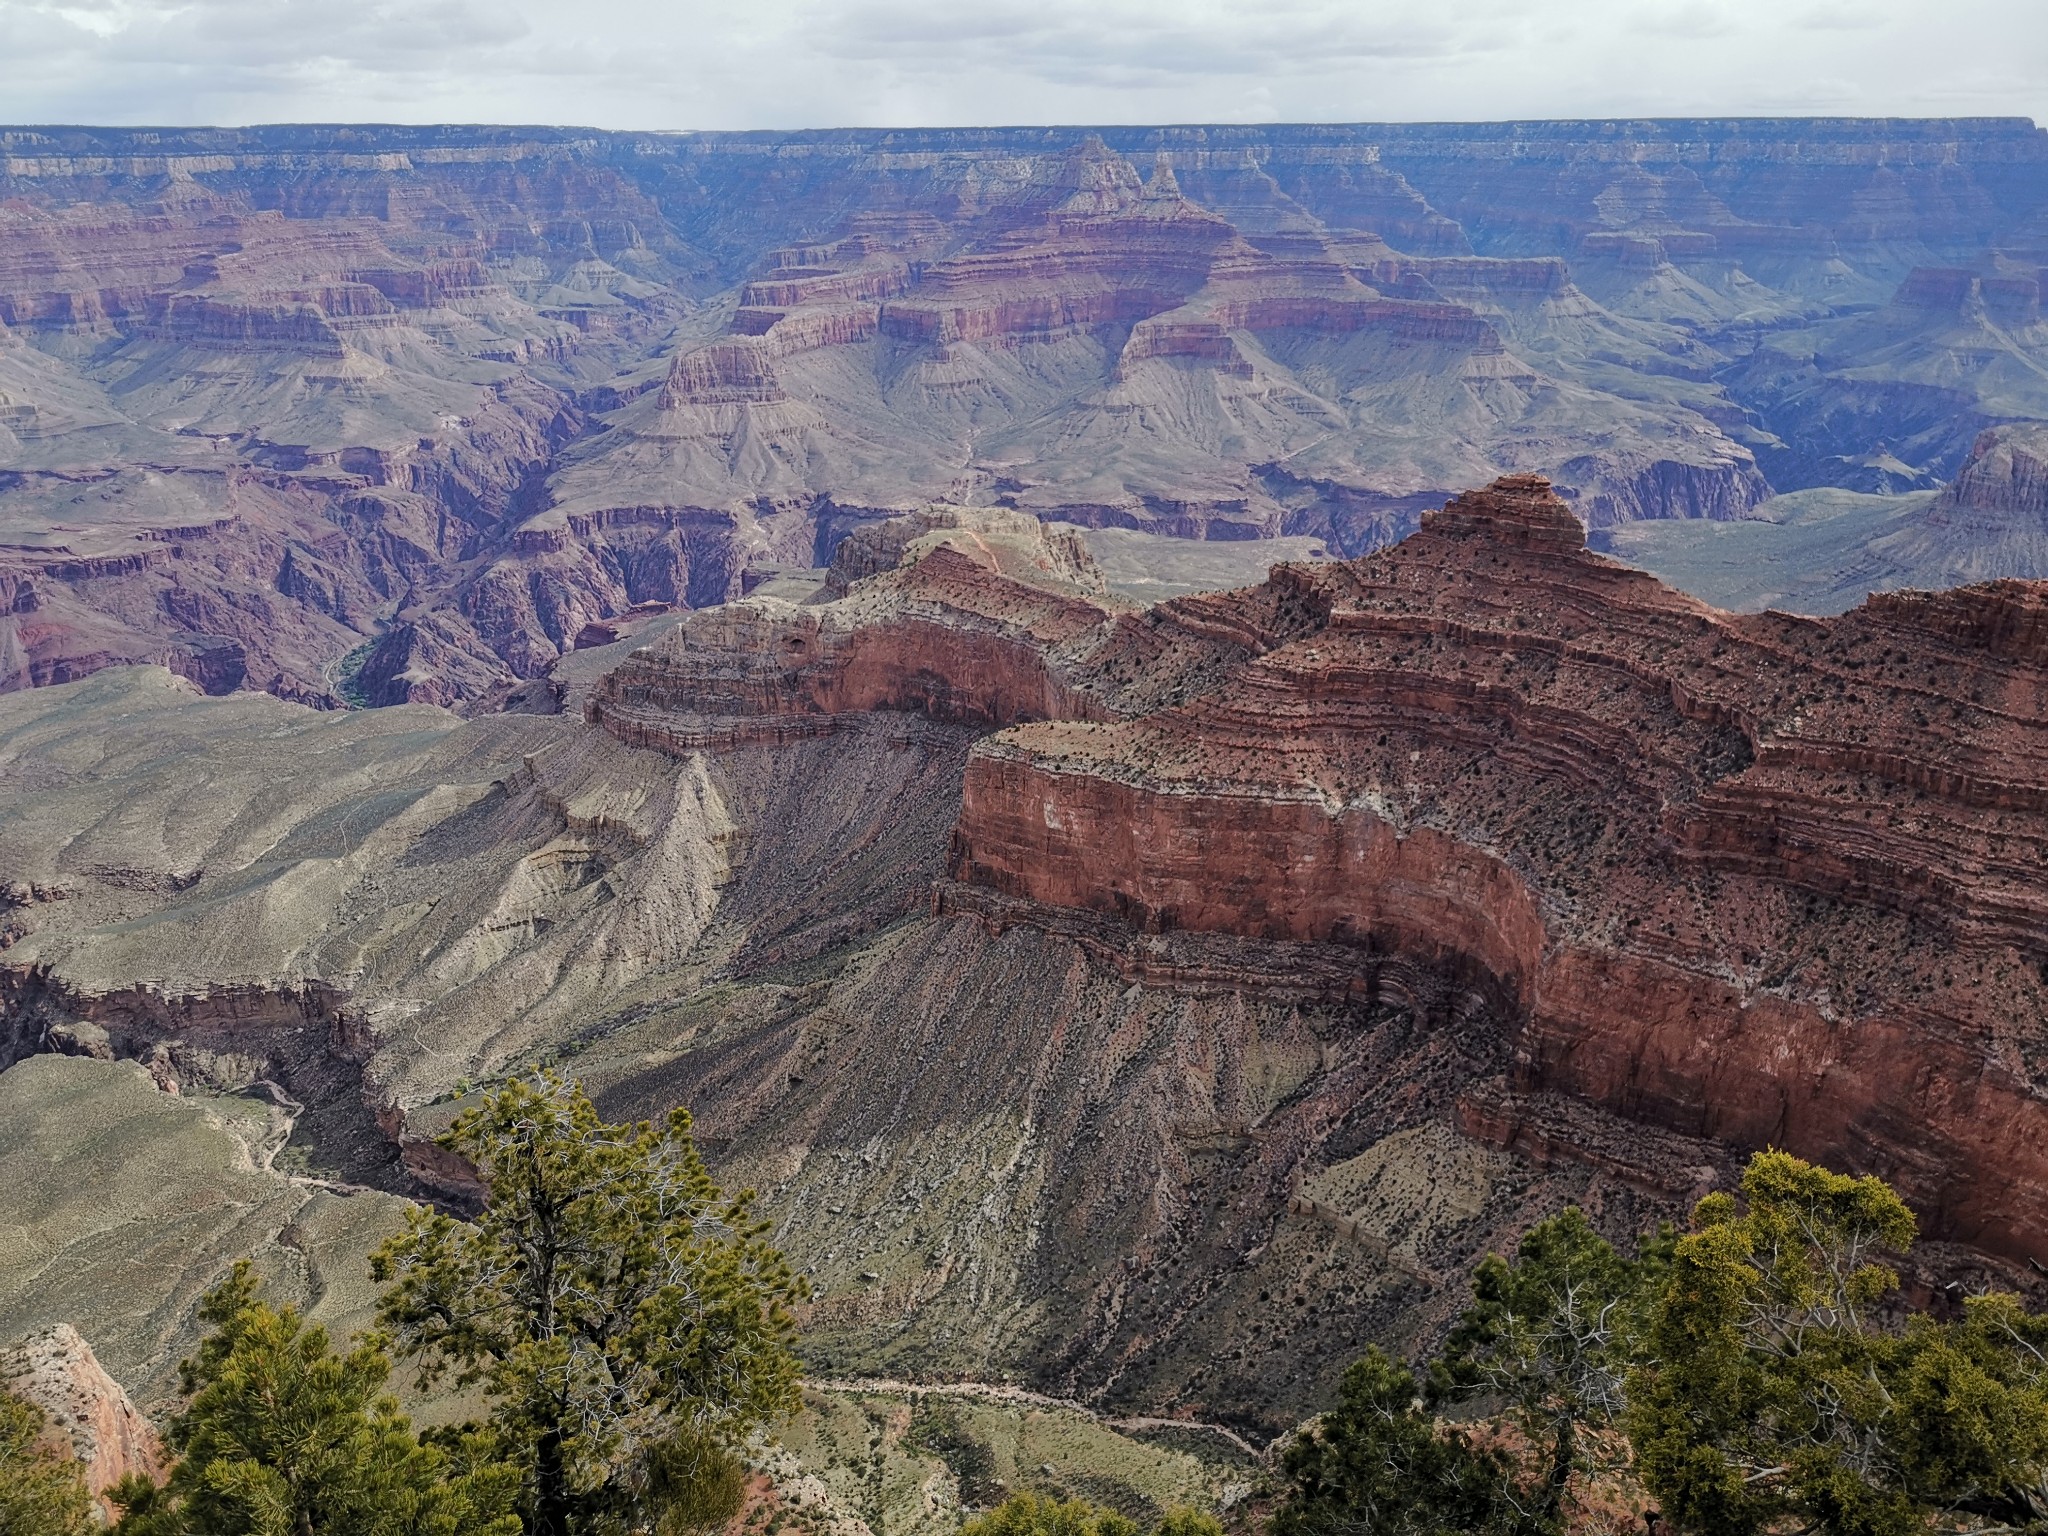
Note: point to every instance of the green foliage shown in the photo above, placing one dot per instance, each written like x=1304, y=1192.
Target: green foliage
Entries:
x=937, y=1429
x=1549, y=1334
x=609, y=1300
x=1182, y=1521
x=693, y=1483
x=282, y=1436
x=348, y=675
x=1774, y=1392
x=1766, y=1373
x=41, y=1493
x=1381, y=1465
x=1038, y=1514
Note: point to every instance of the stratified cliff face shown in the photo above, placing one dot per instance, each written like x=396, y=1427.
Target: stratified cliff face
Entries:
x=1113, y=352
x=394, y=414
x=249, y=420
x=1759, y=879
x=1893, y=399
x=1763, y=879
x=974, y=616
x=2007, y=473
x=967, y=615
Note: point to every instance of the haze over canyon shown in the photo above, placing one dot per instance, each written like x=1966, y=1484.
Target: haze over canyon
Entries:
x=1145, y=723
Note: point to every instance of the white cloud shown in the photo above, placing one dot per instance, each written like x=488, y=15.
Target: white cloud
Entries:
x=1690, y=18
x=791, y=63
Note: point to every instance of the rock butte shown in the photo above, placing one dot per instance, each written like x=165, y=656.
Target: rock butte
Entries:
x=1106, y=980
x=1762, y=879
x=1084, y=985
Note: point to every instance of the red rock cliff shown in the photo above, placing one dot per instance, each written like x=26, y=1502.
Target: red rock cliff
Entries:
x=85, y=1410
x=1766, y=879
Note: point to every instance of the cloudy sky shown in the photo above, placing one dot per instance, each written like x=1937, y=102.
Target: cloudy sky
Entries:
x=796, y=63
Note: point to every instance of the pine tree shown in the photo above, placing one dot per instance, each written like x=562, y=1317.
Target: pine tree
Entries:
x=621, y=1312
x=1381, y=1465
x=284, y=1437
x=41, y=1492
x=1039, y=1514
x=1550, y=1334
x=1778, y=1389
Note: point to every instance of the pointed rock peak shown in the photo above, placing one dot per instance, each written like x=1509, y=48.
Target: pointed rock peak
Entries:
x=1098, y=178
x=1164, y=184
x=1517, y=510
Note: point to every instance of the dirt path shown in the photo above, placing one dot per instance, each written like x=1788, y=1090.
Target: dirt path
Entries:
x=998, y=1392
x=284, y=1120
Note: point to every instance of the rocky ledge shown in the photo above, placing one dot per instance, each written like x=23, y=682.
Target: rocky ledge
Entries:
x=1762, y=879
x=87, y=1415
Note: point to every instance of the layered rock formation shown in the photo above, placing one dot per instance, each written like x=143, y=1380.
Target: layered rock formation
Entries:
x=84, y=1408
x=1762, y=879
x=1726, y=875
x=996, y=1158
x=1118, y=354
x=2007, y=473
x=391, y=414
x=1823, y=551
x=1892, y=400
x=967, y=615
x=1089, y=989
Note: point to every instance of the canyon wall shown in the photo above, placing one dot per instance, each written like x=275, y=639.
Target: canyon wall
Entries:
x=386, y=414
x=1756, y=879
x=1760, y=879
x=85, y=1411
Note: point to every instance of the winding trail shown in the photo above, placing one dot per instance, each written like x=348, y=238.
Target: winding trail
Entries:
x=289, y=1109
x=998, y=1392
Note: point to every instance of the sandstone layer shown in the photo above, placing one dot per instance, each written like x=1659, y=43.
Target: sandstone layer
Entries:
x=1763, y=879
x=84, y=1409
x=1757, y=879
x=996, y=1156
x=977, y=616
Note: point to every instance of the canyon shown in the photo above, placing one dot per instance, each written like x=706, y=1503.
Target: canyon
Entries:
x=1142, y=1003
x=371, y=415
x=1168, y=735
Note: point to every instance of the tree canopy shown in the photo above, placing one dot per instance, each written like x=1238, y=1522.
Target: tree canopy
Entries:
x=1550, y=1334
x=1038, y=1514
x=628, y=1320
x=1765, y=1369
x=42, y=1493
x=1379, y=1462
x=1780, y=1380
x=282, y=1436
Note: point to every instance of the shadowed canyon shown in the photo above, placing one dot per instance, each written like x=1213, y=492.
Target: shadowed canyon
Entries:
x=1167, y=735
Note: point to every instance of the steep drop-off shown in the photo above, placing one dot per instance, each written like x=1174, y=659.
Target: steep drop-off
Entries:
x=1149, y=1003
x=1762, y=879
